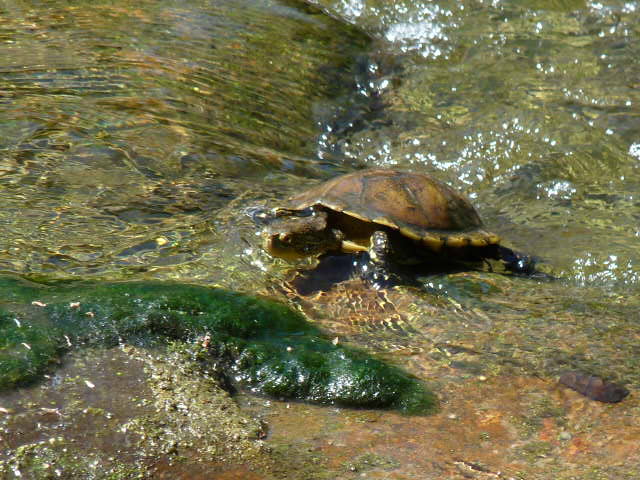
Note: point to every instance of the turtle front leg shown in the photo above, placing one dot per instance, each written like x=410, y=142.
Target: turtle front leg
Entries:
x=375, y=265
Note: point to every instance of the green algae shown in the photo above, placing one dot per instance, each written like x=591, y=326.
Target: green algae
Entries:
x=316, y=370
x=45, y=460
x=538, y=409
x=25, y=351
x=260, y=343
x=370, y=461
x=16, y=289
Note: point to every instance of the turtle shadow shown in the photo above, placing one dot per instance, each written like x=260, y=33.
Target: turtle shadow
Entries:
x=335, y=268
x=330, y=270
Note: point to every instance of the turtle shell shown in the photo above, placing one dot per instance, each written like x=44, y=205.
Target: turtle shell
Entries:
x=418, y=206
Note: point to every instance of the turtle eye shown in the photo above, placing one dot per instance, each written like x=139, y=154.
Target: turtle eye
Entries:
x=284, y=237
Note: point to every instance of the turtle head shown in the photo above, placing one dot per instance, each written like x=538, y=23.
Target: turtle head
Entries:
x=296, y=234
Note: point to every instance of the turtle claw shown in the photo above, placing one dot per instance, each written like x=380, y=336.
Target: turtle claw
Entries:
x=374, y=273
x=376, y=266
x=260, y=215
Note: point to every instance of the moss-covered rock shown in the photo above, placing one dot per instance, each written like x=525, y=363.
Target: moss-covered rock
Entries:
x=262, y=343
x=25, y=350
x=314, y=369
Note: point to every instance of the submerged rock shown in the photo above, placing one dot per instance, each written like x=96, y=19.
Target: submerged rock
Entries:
x=594, y=387
x=260, y=343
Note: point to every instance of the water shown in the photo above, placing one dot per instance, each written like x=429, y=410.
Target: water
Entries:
x=124, y=128
x=134, y=135
x=531, y=108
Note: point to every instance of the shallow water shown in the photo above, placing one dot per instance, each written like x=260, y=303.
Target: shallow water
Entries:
x=532, y=109
x=134, y=136
x=126, y=127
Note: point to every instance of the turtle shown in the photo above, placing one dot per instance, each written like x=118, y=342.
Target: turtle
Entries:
x=388, y=218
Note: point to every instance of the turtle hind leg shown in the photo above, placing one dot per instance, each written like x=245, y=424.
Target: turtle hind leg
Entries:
x=517, y=262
